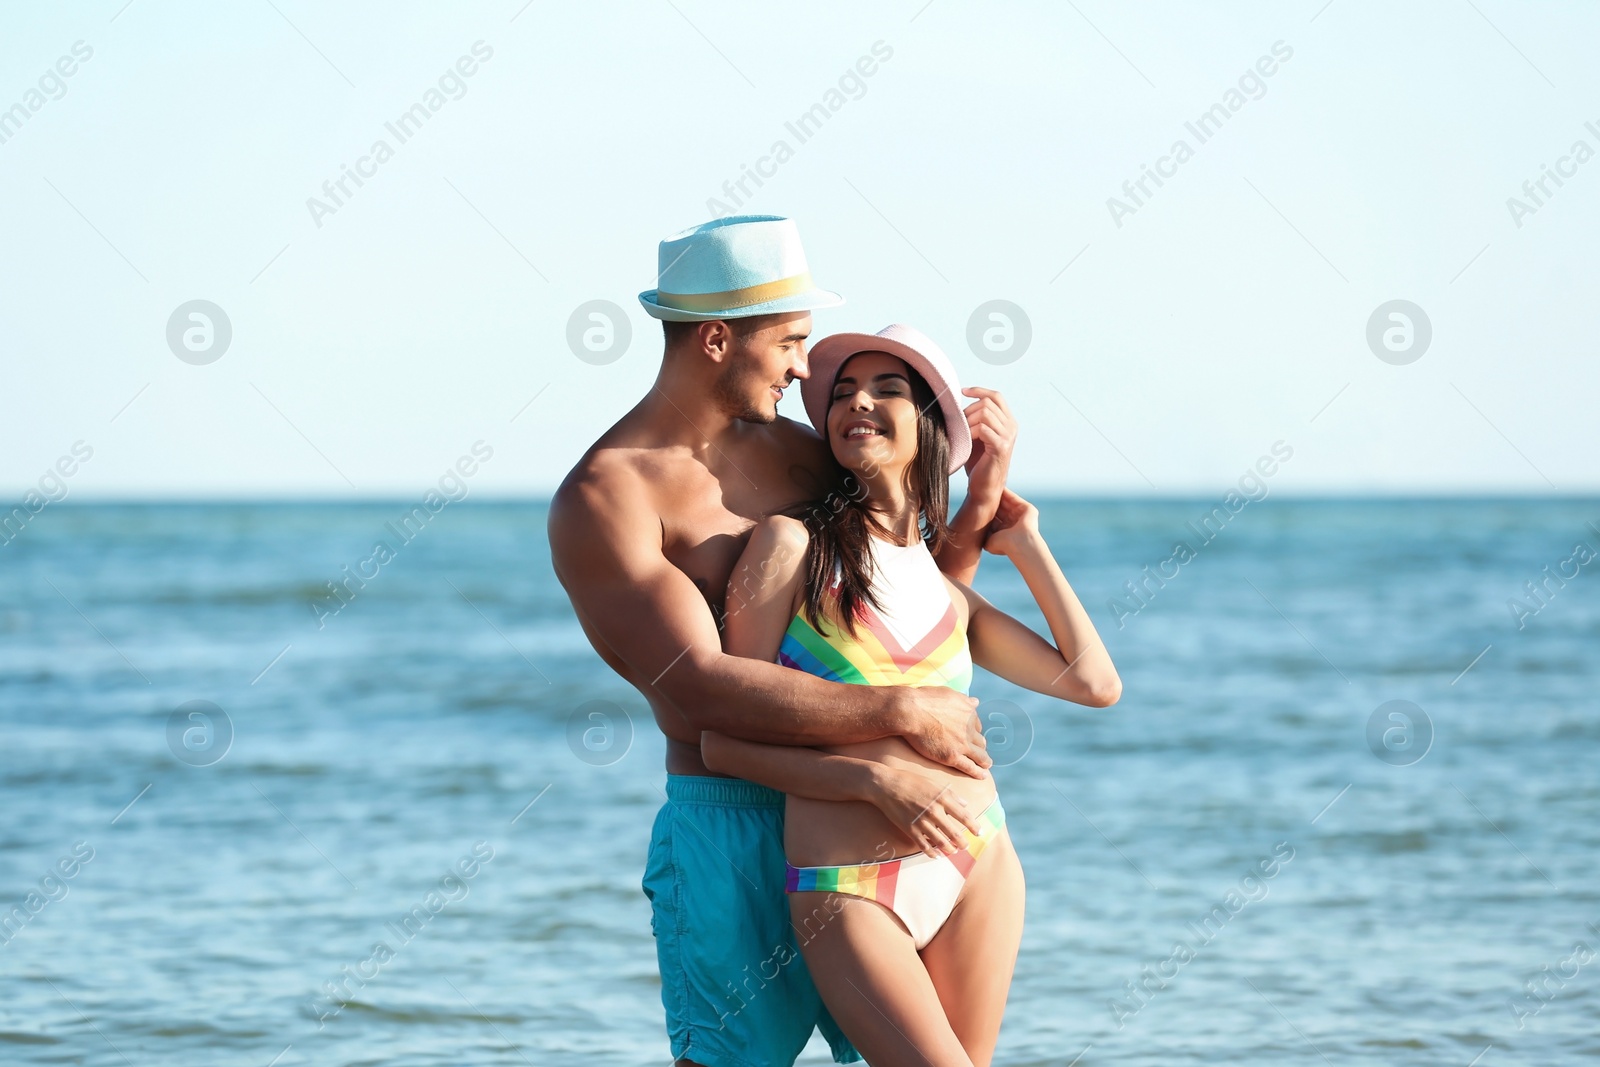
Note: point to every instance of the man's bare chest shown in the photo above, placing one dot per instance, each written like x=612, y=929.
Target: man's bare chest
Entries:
x=706, y=526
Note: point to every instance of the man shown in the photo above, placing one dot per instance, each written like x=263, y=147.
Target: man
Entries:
x=644, y=532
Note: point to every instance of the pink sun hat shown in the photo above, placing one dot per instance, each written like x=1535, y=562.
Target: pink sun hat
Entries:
x=907, y=343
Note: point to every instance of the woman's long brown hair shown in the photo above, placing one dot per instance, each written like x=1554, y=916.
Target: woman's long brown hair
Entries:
x=842, y=525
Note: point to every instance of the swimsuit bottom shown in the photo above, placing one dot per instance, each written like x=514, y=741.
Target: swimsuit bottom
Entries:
x=921, y=889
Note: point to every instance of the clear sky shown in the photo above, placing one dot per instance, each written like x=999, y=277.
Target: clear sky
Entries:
x=1357, y=154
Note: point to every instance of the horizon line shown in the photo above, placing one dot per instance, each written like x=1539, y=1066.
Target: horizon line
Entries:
x=1408, y=495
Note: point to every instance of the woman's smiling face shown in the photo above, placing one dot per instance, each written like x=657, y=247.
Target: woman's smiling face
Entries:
x=872, y=418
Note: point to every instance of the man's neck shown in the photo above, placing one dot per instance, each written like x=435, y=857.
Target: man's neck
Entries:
x=686, y=413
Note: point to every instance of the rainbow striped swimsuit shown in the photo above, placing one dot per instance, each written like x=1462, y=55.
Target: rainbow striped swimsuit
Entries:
x=921, y=889
x=914, y=641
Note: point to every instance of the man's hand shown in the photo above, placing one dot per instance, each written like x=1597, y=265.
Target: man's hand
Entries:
x=943, y=726
x=994, y=438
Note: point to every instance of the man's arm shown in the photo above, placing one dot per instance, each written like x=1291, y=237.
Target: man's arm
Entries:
x=994, y=436
x=913, y=802
x=605, y=544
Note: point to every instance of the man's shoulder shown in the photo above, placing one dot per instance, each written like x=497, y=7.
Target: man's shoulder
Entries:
x=802, y=446
x=606, y=478
x=799, y=433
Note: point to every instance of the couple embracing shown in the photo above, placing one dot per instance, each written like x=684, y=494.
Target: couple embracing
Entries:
x=795, y=604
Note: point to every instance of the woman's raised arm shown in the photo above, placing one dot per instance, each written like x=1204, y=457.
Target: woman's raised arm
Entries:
x=1078, y=667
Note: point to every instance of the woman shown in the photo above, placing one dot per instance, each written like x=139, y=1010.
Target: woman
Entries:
x=905, y=893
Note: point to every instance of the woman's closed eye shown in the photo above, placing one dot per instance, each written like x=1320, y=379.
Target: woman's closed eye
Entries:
x=882, y=391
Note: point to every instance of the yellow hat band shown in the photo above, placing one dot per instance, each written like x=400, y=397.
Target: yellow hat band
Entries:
x=736, y=298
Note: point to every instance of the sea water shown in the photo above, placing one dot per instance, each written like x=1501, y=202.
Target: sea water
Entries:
x=319, y=808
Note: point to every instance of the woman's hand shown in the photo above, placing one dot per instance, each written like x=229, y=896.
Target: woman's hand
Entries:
x=994, y=438
x=1015, y=522
x=924, y=810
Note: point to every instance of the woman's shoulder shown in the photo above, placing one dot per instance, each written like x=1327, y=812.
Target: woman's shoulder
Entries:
x=780, y=531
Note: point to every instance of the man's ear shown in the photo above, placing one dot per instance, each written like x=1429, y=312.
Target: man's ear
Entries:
x=716, y=339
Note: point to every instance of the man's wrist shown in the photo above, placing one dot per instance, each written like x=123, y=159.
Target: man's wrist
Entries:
x=899, y=714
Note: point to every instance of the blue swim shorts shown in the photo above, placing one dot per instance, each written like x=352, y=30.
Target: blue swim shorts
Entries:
x=736, y=990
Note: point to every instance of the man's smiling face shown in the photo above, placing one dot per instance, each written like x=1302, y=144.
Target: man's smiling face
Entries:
x=767, y=352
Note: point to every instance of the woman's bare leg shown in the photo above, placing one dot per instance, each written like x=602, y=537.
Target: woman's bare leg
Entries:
x=971, y=958
x=867, y=970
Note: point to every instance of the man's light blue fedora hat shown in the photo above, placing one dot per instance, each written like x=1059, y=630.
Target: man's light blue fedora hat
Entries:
x=733, y=268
